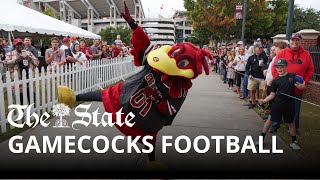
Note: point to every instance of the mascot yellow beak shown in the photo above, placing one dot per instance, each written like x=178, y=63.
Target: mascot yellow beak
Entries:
x=160, y=60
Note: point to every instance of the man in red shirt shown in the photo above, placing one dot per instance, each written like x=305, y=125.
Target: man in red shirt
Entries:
x=299, y=62
x=85, y=49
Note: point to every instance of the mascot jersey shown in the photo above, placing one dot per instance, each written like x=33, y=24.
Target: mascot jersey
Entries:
x=140, y=94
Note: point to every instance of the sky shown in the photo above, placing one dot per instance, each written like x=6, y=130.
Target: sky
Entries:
x=152, y=8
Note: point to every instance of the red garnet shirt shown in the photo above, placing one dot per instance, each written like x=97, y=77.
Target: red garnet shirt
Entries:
x=299, y=62
x=85, y=50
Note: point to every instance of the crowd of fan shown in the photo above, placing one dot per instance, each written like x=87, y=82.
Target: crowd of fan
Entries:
x=266, y=73
x=233, y=62
x=23, y=54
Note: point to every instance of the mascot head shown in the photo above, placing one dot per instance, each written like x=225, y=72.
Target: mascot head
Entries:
x=184, y=60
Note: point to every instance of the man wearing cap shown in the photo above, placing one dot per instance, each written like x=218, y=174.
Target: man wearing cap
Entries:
x=283, y=106
x=68, y=54
x=19, y=60
x=259, y=40
x=254, y=69
x=299, y=62
x=73, y=41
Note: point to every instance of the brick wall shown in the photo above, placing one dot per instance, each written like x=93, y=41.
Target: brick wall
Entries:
x=312, y=93
x=308, y=42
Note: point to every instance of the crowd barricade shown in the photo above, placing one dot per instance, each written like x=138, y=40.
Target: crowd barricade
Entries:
x=42, y=84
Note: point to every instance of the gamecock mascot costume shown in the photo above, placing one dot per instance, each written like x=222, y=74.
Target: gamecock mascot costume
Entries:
x=156, y=93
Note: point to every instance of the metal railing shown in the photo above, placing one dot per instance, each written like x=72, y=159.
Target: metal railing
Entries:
x=315, y=54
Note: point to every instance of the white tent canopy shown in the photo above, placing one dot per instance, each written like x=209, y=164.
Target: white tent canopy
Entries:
x=15, y=17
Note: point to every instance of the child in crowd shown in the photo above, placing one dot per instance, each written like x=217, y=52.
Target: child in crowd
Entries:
x=283, y=105
x=230, y=71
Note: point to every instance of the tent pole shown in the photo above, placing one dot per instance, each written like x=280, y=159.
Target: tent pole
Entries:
x=9, y=38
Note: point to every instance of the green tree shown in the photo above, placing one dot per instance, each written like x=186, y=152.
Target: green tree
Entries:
x=213, y=16
x=50, y=13
x=109, y=34
x=259, y=22
x=217, y=17
x=200, y=37
x=305, y=19
x=280, y=10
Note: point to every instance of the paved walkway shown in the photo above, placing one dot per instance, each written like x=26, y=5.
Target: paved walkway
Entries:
x=210, y=109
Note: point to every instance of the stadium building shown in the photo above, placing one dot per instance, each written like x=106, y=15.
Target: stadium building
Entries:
x=94, y=15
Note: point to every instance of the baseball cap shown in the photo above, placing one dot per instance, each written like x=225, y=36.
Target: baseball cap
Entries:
x=296, y=36
x=18, y=40
x=258, y=45
x=258, y=39
x=73, y=38
x=281, y=62
x=239, y=42
x=65, y=39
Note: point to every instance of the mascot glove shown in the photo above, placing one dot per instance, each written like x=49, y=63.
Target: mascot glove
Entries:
x=126, y=14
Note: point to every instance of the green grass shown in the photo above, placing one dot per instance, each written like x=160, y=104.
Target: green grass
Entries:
x=309, y=131
x=309, y=138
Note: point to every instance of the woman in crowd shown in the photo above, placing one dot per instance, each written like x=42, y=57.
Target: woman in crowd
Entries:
x=79, y=55
x=104, y=49
x=110, y=52
x=217, y=60
x=232, y=55
x=240, y=67
x=213, y=63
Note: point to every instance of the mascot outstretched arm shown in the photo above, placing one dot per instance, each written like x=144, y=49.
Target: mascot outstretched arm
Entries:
x=156, y=93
